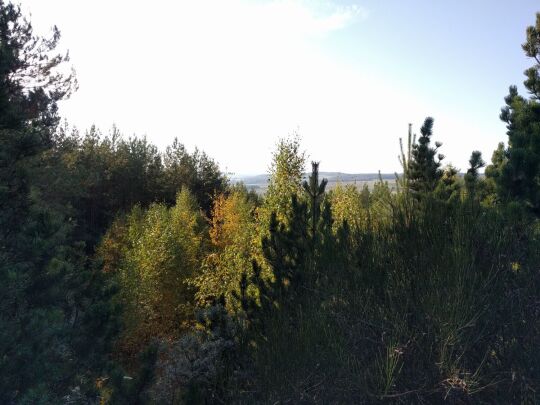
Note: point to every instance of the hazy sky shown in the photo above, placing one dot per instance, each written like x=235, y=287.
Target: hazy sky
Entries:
x=231, y=77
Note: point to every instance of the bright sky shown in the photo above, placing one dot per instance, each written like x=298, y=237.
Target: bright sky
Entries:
x=232, y=76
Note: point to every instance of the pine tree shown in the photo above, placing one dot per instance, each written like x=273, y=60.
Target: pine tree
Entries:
x=448, y=187
x=53, y=303
x=315, y=193
x=405, y=158
x=30, y=88
x=296, y=248
x=472, y=176
x=423, y=169
x=516, y=169
x=196, y=171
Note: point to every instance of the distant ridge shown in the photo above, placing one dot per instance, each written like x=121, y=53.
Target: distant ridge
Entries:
x=259, y=182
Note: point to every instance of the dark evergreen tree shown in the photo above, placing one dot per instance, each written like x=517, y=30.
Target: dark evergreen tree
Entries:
x=287, y=250
x=112, y=175
x=472, y=176
x=29, y=92
x=423, y=169
x=492, y=190
x=448, y=188
x=300, y=252
x=516, y=169
x=96, y=177
x=53, y=307
x=315, y=193
x=196, y=171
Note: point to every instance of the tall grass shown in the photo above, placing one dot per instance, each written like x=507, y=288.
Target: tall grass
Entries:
x=433, y=303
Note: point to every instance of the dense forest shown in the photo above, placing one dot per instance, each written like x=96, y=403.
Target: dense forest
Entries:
x=132, y=275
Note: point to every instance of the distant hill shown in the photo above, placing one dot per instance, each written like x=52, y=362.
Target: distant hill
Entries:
x=259, y=182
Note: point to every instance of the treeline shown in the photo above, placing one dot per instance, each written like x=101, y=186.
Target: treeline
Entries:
x=102, y=176
x=132, y=276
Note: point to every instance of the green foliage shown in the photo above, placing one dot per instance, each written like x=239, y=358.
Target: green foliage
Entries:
x=532, y=50
x=31, y=79
x=108, y=249
x=350, y=206
x=516, y=169
x=156, y=255
x=289, y=318
x=59, y=192
x=107, y=175
x=234, y=236
x=55, y=318
x=196, y=171
x=423, y=167
x=491, y=192
x=286, y=173
x=449, y=185
x=405, y=159
x=418, y=310
x=472, y=176
x=380, y=200
x=315, y=194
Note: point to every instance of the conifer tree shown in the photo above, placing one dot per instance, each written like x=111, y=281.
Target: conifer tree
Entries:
x=293, y=248
x=404, y=158
x=196, y=171
x=287, y=248
x=423, y=169
x=315, y=193
x=492, y=182
x=53, y=303
x=516, y=169
x=30, y=88
x=448, y=188
x=471, y=177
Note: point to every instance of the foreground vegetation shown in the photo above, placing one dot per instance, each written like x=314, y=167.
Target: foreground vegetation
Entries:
x=131, y=276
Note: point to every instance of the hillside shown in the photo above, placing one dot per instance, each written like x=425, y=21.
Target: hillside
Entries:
x=259, y=182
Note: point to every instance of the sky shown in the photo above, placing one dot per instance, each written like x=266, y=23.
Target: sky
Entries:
x=231, y=77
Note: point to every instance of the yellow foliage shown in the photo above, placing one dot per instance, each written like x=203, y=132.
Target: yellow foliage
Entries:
x=347, y=206
x=156, y=253
x=229, y=215
x=235, y=243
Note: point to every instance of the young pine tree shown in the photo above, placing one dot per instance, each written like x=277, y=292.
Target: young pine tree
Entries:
x=516, y=169
x=423, y=169
x=472, y=176
x=54, y=309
